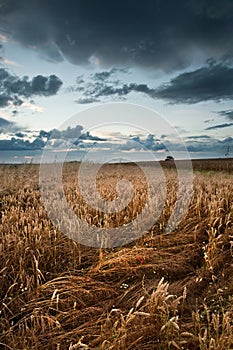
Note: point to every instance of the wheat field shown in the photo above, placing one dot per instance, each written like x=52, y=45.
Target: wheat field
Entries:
x=161, y=291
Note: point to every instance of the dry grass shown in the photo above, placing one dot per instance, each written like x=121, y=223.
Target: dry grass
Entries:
x=160, y=292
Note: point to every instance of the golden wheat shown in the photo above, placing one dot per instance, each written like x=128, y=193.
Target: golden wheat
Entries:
x=159, y=292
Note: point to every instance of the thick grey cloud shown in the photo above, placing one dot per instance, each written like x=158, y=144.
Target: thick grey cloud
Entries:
x=157, y=33
x=212, y=82
x=228, y=113
x=87, y=136
x=74, y=135
x=94, y=91
x=14, y=89
x=150, y=143
x=20, y=144
x=219, y=126
x=19, y=134
x=213, y=8
x=45, y=86
x=69, y=133
x=112, y=73
x=106, y=84
x=70, y=137
x=198, y=137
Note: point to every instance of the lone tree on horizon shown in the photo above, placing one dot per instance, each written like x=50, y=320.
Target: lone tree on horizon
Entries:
x=169, y=158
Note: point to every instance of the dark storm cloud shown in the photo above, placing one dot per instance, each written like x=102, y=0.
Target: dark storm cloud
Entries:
x=19, y=134
x=94, y=91
x=198, y=137
x=4, y=100
x=106, y=84
x=212, y=82
x=46, y=86
x=228, y=113
x=89, y=137
x=157, y=33
x=213, y=8
x=105, y=75
x=219, y=126
x=20, y=144
x=14, y=89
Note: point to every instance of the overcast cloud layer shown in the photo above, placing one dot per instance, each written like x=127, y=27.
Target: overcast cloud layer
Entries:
x=159, y=33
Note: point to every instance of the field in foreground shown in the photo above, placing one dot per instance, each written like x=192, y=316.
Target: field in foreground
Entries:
x=161, y=291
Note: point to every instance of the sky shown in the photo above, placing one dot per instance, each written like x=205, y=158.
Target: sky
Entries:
x=59, y=58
